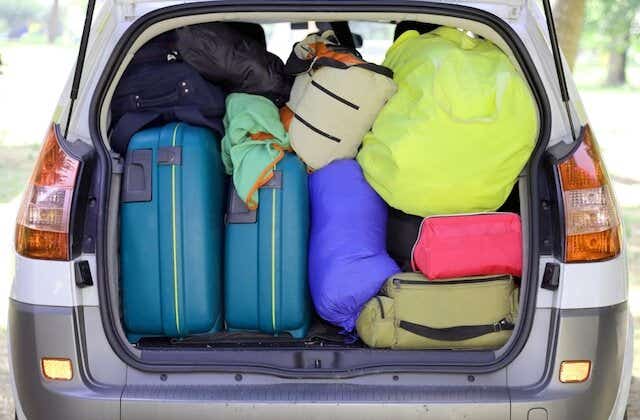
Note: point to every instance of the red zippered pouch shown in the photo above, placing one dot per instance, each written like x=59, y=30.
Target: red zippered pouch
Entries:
x=468, y=245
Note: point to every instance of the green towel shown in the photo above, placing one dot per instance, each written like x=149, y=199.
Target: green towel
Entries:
x=254, y=142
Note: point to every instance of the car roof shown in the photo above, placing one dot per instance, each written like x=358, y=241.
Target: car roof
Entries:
x=475, y=2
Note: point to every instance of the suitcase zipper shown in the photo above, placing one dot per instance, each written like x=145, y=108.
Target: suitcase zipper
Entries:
x=470, y=280
x=174, y=235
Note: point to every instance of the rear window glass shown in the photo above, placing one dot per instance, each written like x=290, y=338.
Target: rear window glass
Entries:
x=376, y=38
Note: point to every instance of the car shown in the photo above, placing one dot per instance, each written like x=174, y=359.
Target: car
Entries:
x=570, y=354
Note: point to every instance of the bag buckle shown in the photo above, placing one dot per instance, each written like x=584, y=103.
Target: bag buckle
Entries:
x=502, y=325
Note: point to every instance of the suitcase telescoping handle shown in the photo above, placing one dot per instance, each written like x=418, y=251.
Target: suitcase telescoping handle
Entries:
x=464, y=332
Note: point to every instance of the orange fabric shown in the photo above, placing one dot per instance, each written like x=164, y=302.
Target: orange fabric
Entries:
x=261, y=135
x=265, y=176
x=323, y=51
x=286, y=115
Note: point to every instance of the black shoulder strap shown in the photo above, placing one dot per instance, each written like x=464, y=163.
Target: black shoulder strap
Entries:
x=460, y=333
x=330, y=62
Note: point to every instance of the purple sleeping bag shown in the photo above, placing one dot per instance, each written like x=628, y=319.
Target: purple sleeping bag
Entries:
x=348, y=260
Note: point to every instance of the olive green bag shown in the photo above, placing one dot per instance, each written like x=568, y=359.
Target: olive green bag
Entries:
x=416, y=313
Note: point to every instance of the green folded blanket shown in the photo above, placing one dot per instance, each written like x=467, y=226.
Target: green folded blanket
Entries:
x=254, y=142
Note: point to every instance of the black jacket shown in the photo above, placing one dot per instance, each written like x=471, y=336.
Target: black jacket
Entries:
x=229, y=58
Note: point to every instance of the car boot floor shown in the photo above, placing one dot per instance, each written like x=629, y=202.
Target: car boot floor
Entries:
x=321, y=334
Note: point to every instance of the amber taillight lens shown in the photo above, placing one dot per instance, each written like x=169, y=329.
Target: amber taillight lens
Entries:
x=592, y=225
x=42, y=227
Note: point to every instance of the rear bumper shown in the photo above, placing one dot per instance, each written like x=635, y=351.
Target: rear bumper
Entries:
x=602, y=334
x=50, y=331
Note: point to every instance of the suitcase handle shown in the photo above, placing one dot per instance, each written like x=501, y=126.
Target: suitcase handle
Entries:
x=464, y=332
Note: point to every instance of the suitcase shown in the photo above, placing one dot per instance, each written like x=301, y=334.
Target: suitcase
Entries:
x=265, y=277
x=416, y=313
x=171, y=229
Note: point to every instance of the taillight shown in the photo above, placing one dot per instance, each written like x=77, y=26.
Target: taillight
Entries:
x=592, y=225
x=42, y=229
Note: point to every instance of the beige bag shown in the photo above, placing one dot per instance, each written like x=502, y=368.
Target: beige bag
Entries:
x=333, y=108
x=416, y=313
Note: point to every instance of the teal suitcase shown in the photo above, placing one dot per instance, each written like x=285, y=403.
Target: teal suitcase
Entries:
x=171, y=230
x=266, y=288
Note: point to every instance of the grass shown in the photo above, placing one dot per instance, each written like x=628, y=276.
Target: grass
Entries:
x=28, y=96
x=15, y=167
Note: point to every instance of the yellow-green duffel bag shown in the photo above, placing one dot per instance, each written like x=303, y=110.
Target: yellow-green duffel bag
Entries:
x=457, y=133
x=416, y=313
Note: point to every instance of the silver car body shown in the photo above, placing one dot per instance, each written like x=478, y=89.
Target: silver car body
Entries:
x=586, y=318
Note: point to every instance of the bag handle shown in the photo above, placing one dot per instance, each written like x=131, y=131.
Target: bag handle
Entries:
x=460, y=333
x=330, y=62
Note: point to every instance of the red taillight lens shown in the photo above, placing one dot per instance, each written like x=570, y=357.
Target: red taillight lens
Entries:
x=591, y=219
x=42, y=229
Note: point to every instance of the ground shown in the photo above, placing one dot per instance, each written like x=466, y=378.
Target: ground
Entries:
x=28, y=99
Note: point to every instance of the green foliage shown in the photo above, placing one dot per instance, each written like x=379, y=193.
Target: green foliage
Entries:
x=15, y=168
x=611, y=25
x=16, y=13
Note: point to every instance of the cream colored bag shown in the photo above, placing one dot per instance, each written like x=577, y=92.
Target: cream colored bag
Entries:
x=334, y=108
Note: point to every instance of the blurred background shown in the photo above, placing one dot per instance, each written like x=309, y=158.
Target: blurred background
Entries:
x=38, y=47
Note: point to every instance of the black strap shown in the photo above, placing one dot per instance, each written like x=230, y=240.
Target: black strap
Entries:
x=385, y=71
x=460, y=333
x=330, y=62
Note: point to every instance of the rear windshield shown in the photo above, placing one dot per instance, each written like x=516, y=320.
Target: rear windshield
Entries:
x=376, y=37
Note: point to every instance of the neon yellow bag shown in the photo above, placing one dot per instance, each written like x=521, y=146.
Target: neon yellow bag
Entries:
x=456, y=135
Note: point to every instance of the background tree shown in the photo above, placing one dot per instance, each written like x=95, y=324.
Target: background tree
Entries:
x=53, y=29
x=611, y=27
x=617, y=24
x=569, y=18
x=16, y=15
